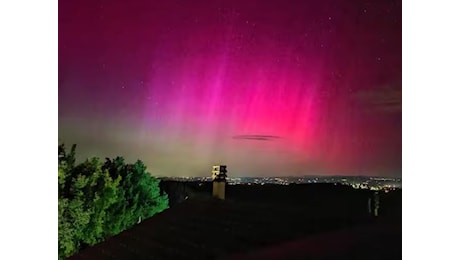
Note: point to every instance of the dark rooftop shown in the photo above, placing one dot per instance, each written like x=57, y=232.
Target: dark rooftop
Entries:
x=210, y=229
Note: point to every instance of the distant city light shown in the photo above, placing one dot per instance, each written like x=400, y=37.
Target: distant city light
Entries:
x=369, y=183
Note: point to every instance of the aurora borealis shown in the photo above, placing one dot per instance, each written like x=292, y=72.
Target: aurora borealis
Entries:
x=269, y=88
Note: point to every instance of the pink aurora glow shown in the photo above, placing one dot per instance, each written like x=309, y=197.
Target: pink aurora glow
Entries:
x=184, y=85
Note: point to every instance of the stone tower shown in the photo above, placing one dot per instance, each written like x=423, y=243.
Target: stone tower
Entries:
x=219, y=179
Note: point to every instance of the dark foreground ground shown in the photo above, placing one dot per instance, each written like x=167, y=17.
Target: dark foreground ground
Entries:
x=262, y=222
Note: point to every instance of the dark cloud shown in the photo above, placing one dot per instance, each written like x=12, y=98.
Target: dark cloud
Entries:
x=387, y=100
x=257, y=137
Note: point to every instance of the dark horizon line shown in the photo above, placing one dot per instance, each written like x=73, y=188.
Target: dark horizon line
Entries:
x=311, y=176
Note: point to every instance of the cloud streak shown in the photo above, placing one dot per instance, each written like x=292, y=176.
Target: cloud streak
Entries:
x=388, y=100
x=256, y=137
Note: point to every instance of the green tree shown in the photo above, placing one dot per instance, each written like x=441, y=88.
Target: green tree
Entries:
x=140, y=196
x=98, y=191
x=99, y=200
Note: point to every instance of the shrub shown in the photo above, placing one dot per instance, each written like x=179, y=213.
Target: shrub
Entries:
x=98, y=200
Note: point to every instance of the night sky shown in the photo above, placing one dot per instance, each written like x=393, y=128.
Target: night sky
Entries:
x=269, y=88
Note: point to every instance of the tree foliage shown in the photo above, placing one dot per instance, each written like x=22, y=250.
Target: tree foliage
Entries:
x=98, y=200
